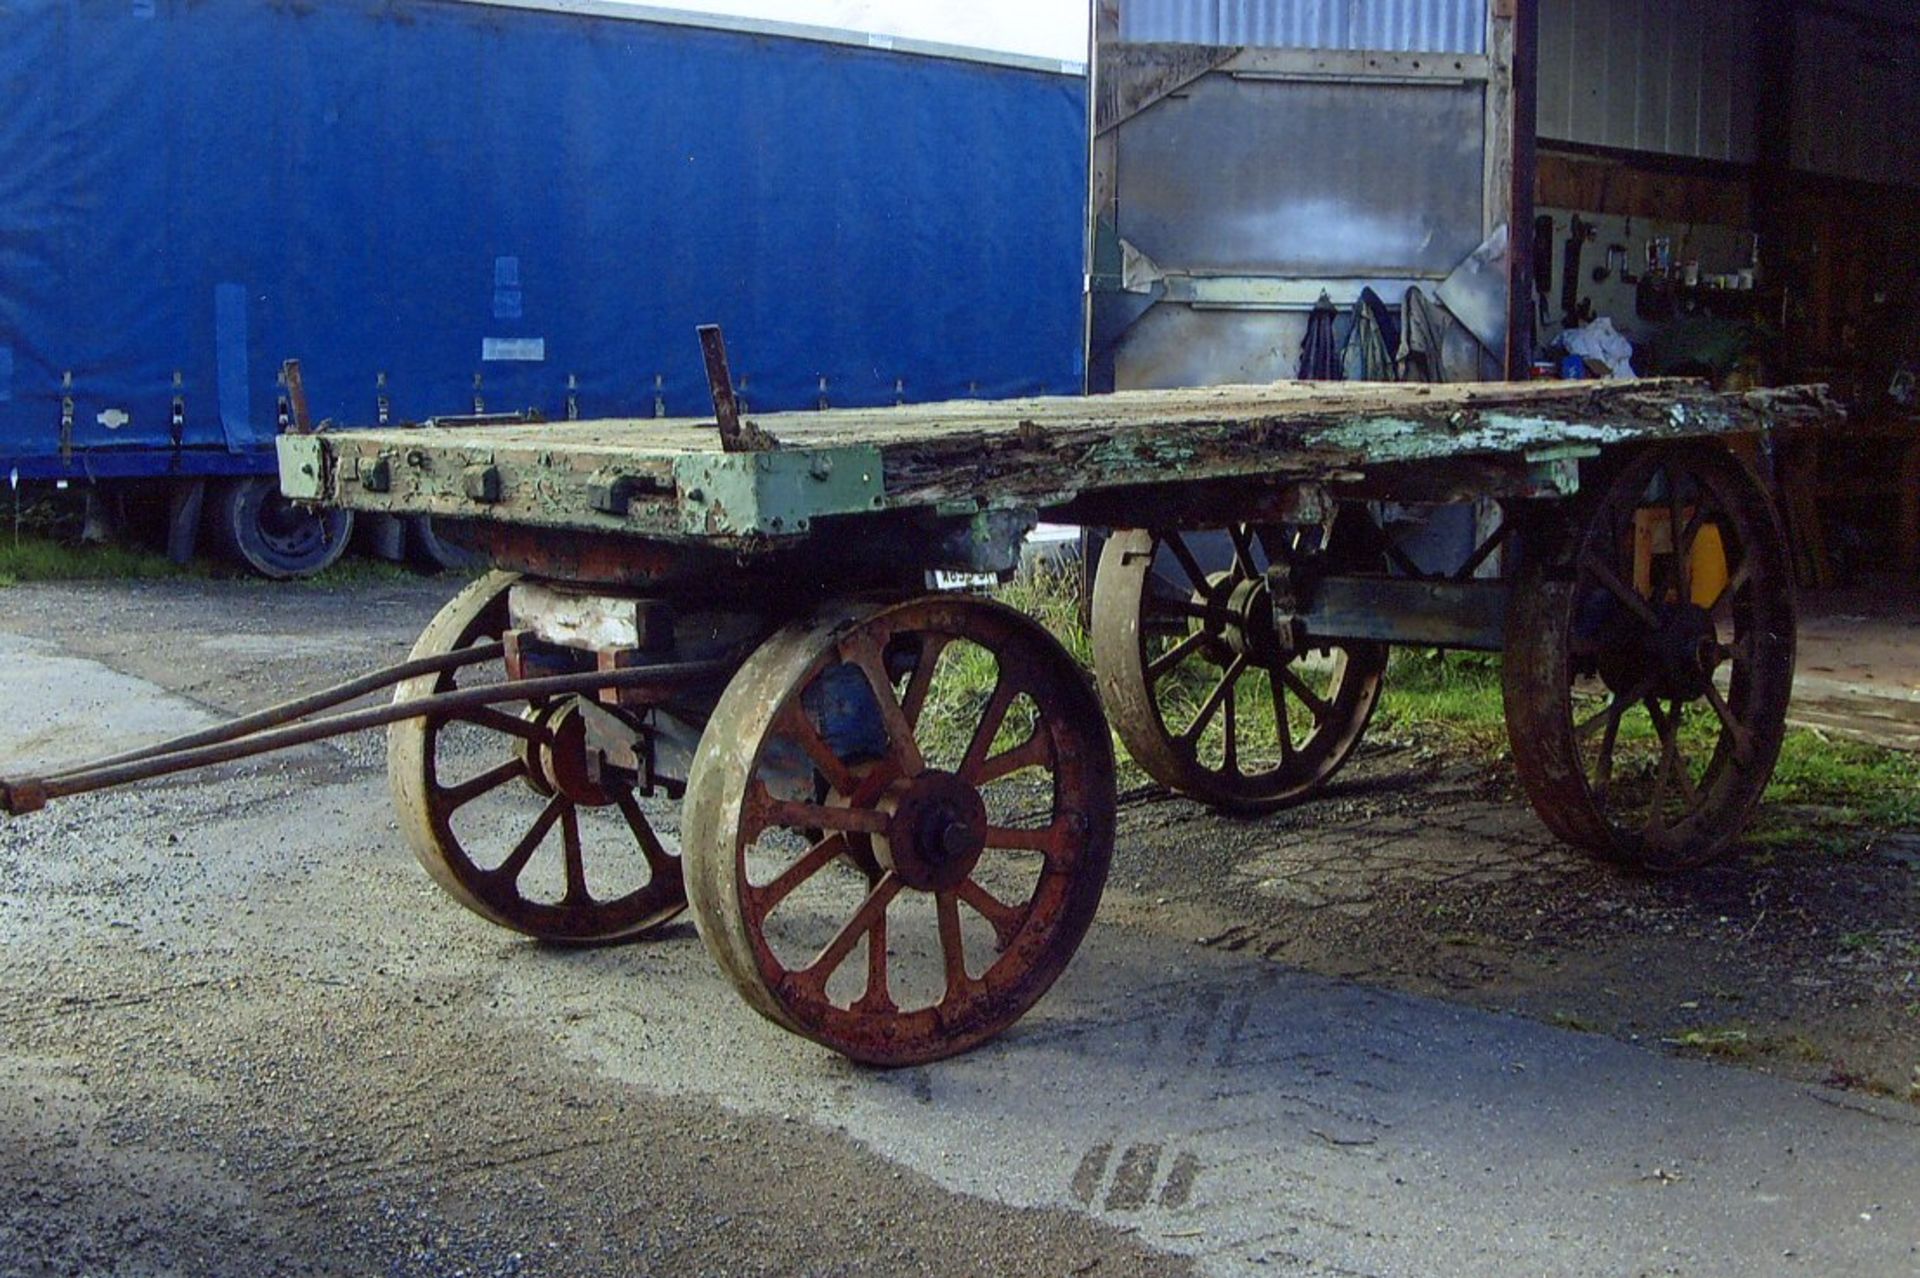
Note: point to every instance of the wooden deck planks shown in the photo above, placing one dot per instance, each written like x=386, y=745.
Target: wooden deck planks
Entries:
x=1035, y=453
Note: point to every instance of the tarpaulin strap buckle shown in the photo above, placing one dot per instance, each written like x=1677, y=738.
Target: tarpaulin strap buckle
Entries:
x=66, y=416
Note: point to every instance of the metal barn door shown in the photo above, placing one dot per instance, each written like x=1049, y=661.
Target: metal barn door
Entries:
x=1253, y=156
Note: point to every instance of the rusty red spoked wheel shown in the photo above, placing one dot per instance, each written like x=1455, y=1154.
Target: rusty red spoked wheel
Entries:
x=516, y=815
x=1649, y=661
x=1210, y=696
x=958, y=854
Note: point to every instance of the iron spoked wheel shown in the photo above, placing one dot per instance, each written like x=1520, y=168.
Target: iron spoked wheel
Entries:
x=1646, y=692
x=899, y=824
x=507, y=811
x=1206, y=693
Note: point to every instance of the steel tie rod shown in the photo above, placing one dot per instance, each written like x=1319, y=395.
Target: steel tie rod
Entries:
x=301, y=707
x=29, y=794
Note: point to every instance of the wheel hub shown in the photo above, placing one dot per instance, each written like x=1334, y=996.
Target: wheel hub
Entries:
x=565, y=760
x=1678, y=655
x=936, y=831
x=1254, y=633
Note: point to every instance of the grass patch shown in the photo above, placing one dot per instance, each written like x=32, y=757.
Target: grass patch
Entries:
x=1865, y=784
x=39, y=558
x=1454, y=696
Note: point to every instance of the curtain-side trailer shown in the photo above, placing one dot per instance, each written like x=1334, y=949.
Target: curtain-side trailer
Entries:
x=448, y=208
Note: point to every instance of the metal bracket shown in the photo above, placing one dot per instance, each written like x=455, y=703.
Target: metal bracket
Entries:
x=66, y=416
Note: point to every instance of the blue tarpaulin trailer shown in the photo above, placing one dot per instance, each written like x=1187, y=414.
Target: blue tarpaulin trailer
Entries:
x=445, y=208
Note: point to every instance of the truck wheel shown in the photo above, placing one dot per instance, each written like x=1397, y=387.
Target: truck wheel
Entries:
x=271, y=535
x=433, y=552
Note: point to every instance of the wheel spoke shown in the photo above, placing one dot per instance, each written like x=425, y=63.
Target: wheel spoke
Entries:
x=1242, y=551
x=791, y=814
x=1316, y=705
x=1603, y=573
x=767, y=899
x=1211, y=706
x=1004, y=918
x=516, y=862
x=455, y=797
x=915, y=700
x=500, y=721
x=1736, y=581
x=1035, y=752
x=1657, y=806
x=1612, y=715
x=1282, y=723
x=860, y=649
x=659, y=859
x=798, y=725
x=953, y=946
x=1742, y=739
x=877, y=999
x=1175, y=655
x=576, y=862
x=1682, y=770
x=1046, y=841
x=1603, y=765
x=1188, y=564
x=995, y=714
x=871, y=912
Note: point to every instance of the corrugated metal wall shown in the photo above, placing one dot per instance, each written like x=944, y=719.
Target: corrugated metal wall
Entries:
x=1397, y=26
x=1856, y=100
x=1673, y=76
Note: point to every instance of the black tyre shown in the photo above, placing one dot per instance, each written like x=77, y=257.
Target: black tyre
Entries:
x=435, y=546
x=274, y=537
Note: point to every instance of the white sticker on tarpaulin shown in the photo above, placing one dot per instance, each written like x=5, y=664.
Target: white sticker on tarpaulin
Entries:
x=114, y=418
x=517, y=350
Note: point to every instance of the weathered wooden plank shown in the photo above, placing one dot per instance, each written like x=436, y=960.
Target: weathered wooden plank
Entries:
x=671, y=479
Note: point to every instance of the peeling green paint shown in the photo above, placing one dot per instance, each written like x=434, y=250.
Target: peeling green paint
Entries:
x=775, y=494
x=1128, y=454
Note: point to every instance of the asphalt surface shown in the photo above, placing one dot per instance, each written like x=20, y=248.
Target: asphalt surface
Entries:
x=242, y=1033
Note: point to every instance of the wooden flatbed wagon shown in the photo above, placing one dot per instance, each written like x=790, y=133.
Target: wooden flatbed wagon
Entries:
x=899, y=803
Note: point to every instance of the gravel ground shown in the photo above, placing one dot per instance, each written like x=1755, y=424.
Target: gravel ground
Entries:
x=245, y=1035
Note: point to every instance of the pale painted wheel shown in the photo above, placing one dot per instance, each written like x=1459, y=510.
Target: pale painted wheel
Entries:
x=509, y=811
x=898, y=825
x=1210, y=697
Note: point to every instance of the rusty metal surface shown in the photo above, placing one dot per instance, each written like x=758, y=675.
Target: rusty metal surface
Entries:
x=906, y=854
x=726, y=408
x=1645, y=698
x=670, y=481
x=1210, y=695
